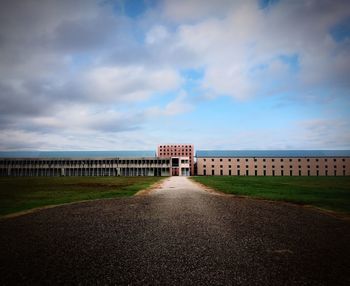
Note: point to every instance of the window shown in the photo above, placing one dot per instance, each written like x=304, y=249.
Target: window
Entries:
x=221, y=172
x=273, y=160
x=299, y=160
x=212, y=160
x=238, y=172
x=246, y=166
x=335, y=160
x=247, y=172
x=220, y=166
x=229, y=172
x=256, y=172
x=212, y=166
x=317, y=166
x=264, y=172
x=326, y=166
x=238, y=166
x=204, y=166
x=204, y=172
x=335, y=166
x=290, y=166
x=229, y=160
x=308, y=160
x=290, y=160
x=299, y=173
x=317, y=173
x=326, y=172
x=246, y=160
x=281, y=160
x=273, y=166
x=273, y=172
x=343, y=160
x=264, y=160
x=316, y=160
x=308, y=172
x=290, y=173
x=256, y=166
x=282, y=166
x=282, y=173
x=308, y=166
x=220, y=160
x=325, y=160
x=230, y=166
x=254, y=160
x=237, y=160
x=265, y=166
x=204, y=160
x=212, y=172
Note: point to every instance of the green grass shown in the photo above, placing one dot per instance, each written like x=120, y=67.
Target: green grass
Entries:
x=332, y=193
x=23, y=193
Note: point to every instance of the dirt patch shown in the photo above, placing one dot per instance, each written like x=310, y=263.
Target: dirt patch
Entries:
x=208, y=189
x=151, y=188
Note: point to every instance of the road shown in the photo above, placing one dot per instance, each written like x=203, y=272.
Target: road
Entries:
x=178, y=234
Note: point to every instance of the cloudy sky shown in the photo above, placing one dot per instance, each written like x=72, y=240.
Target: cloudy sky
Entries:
x=130, y=74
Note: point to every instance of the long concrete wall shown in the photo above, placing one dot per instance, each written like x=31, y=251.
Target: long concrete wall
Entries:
x=286, y=166
x=85, y=167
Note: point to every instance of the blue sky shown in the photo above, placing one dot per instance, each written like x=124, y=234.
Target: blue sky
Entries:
x=131, y=74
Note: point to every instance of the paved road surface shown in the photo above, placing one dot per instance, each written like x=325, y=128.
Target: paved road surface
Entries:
x=177, y=235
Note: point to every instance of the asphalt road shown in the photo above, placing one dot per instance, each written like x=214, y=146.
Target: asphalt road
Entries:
x=176, y=235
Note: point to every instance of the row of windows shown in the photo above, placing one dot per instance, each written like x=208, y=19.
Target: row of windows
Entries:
x=273, y=166
x=173, y=154
x=176, y=150
x=175, y=146
x=273, y=160
x=281, y=173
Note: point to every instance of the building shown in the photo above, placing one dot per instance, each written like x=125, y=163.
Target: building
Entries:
x=273, y=163
x=151, y=166
x=177, y=160
x=91, y=163
x=178, y=150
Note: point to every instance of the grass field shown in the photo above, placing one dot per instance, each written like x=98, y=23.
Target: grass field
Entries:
x=332, y=193
x=23, y=193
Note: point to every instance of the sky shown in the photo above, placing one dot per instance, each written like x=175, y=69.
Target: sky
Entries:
x=132, y=74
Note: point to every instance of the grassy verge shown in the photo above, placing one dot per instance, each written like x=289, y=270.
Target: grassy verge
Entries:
x=331, y=193
x=23, y=193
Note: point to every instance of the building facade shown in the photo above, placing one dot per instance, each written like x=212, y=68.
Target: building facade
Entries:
x=178, y=150
x=85, y=166
x=273, y=163
x=178, y=160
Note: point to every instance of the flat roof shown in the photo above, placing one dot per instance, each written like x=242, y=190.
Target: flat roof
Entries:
x=77, y=154
x=272, y=153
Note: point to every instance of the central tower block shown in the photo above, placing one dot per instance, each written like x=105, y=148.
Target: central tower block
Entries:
x=177, y=150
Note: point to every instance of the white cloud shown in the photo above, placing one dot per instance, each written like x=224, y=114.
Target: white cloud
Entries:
x=249, y=37
x=194, y=10
x=130, y=83
x=181, y=104
x=157, y=34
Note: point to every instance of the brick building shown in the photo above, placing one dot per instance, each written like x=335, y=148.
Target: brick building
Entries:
x=178, y=150
x=274, y=163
